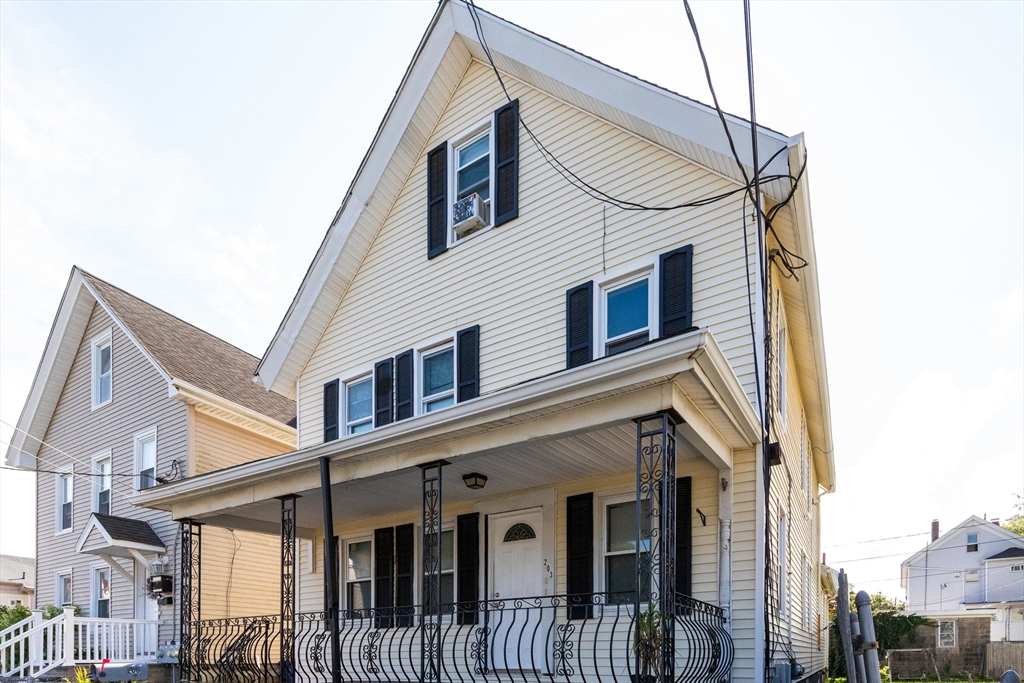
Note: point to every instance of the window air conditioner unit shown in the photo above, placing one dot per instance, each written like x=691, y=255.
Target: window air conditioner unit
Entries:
x=469, y=215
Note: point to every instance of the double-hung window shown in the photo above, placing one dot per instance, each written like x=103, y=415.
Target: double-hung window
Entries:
x=102, y=370
x=627, y=319
x=62, y=590
x=65, y=500
x=972, y=542
x=145, y=459
x=359, y=576
x=438, y=373
x=101, y=481
x=101, y=593
x=471, y=174
x=620, y=550
x=359, y=405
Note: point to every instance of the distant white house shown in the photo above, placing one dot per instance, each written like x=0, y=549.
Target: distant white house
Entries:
x=973, y=570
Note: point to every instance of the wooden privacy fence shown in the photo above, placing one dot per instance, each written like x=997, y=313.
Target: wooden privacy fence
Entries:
x=1002, y=656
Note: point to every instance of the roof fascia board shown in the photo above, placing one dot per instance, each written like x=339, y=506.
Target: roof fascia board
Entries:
x=972, y=521
x=662, y=359
x=415, y=81
x=802, y=222
x=181, y=390
x=22, y=449
x=660, y=107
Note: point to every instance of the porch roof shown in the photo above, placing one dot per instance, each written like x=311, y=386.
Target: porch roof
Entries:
x=586, y=409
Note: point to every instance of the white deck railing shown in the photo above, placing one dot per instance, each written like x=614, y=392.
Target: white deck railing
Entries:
x=34, y=646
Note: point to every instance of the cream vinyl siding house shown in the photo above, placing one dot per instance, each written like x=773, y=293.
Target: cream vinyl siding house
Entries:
x=147, y=427
x=549, y=383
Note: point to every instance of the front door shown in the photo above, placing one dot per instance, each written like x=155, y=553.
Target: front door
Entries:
x=517, y=569
x=146, y=608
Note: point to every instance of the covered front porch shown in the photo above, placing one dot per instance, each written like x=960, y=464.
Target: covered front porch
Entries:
x=576, y=531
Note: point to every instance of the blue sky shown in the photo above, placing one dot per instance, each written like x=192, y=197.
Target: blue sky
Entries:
x=195, y=154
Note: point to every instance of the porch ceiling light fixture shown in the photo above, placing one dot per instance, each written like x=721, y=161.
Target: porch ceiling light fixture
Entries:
x=474, y=480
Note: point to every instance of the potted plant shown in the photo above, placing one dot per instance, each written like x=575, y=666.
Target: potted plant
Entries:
x=647, y=645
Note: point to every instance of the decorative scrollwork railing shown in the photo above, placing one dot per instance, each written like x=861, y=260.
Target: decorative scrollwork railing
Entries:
x=240, y=650
x=522, y=639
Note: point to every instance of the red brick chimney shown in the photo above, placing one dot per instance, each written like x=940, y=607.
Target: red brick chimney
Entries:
x=935, y=530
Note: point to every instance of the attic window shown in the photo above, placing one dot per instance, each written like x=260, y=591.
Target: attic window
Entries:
x=102, y=370
x=972, y=543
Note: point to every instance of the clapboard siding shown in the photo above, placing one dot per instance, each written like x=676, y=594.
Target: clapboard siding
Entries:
x=75, y=434
x=140, y=402
x=512, y=280
x=218, y=444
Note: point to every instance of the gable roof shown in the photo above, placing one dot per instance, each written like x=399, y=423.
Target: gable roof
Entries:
x=118, y=536
x=682, y=125
x=14, y=569
x=192, y=361
x=1007, y=554
x=951, y=535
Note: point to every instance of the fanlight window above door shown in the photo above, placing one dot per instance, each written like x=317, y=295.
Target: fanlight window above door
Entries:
x=519, y=532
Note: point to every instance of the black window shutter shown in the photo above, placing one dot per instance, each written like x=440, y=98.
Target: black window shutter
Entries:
x=404, y=563
x=579, y=325
x=684, y=535
x=437, y=200
x=331, y=410
x=403, y=386
x=676, y=291
x=506, y=163
x=384, y=575
x=579, y=521
x=467, y=532
x=467, y=342
x=382, y=393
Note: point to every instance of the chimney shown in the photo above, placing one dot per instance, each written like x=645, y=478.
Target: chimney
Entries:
x=995, y=520
x=935, y=530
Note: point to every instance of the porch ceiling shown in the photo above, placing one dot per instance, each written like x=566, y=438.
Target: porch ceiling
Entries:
x=515, y=468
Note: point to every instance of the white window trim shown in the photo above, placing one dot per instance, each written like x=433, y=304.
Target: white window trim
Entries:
x=434, y=346
x=1017, y=567
x=805, y=611
x=97, y=343
x=976, y=542
x=355, y=378
x=601, y=539
x=345, y=581
x=97, y=480
x=137, y=440
x=62, y=472
x=57, y=585
x=783, y=564
x=460, y=140
x=976, y=573
x=94, y=588
x=938, y=633
x=647, y=268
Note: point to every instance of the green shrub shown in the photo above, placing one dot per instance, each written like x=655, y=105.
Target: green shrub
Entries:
x=9, y=616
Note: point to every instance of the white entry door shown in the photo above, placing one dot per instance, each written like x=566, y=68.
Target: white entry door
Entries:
x=517, y=571
x=145, y=608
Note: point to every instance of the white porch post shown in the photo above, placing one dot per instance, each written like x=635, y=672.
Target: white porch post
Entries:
x=69, y=635
x=725, y=546
x=35, y=644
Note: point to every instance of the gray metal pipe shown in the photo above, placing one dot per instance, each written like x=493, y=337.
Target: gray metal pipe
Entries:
x=858, y=653
x=867, y=629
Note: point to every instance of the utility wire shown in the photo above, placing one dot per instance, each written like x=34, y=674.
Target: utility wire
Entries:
x=882, y=557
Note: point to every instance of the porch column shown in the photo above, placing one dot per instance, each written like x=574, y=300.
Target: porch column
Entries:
x=288, y=588
x=189, y=606
x=430, y=614
x=656, y=537
x=332, y=596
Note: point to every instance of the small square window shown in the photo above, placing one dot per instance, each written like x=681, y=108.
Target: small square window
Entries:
x=359, y=406
x=438, y=379
x=1017, y=567
x=972, y=543
x=626, y=316
x=947, y=634
x=102, y=370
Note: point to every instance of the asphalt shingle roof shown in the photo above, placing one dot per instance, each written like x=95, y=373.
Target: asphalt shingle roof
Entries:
x=187, y=353
x=131, y=530
x=1007, y=554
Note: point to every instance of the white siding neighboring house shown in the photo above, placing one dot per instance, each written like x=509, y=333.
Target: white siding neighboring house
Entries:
x=525, y=351
x=129, y=398
x=974, y=569
x=17, y=581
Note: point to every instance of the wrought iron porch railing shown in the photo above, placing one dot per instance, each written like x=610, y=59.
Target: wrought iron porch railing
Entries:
x=575, y=639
